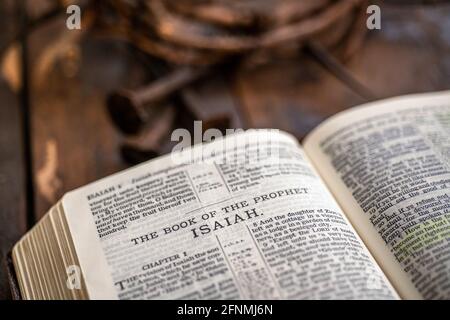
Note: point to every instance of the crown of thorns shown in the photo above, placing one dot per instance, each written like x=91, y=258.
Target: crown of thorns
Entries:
x=199, y=32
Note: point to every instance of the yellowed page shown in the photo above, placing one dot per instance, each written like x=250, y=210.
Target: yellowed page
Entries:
x=387, y=164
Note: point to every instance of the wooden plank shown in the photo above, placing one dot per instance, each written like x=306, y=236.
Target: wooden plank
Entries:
x=12, y=188
x=12, y=181
x=409, y=55
x=290, y=96
x=74, y=142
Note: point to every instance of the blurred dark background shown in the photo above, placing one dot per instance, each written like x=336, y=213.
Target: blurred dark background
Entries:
x=56, y=133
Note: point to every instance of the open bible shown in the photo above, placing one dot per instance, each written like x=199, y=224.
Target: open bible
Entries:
x=360, y=211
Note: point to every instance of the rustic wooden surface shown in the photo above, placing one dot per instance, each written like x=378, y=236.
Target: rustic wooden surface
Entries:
x=73, y=142
x=411, y=54
x=12, y=183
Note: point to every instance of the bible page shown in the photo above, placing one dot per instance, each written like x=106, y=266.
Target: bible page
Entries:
x=388, y=165
x=243, y=217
